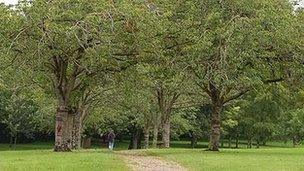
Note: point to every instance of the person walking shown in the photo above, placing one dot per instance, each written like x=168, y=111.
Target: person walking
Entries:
x=111, y=137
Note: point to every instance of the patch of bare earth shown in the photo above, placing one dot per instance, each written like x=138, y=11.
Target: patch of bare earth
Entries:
x=138, y=161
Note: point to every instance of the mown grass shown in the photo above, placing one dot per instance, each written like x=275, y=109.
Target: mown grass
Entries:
x=264, y=159
x=39, y=156
x=32, y=157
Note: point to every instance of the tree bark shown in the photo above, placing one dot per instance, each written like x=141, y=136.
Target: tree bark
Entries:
x=165, y=108
x=215, y=128
x=295, y=141
x=237, y=141
x=217, y=105
x=258, y=143
x=166, y=132
x=77, y=128
x=229, y=142
x=77, y=132
x=80, y=117
x=62, y=132
x=249, y=143
x=139, y=139
x=69, y=128
x=11, y=141
x=264, y=142
x=155, y=135
x=15, y=141
x=193, y=140
x=135, y=139
x=86, y=143
x=146, y=138
x=156, y=130
x=131, y=144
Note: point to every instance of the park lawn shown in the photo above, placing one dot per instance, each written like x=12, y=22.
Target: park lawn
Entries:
x=39, y=156
x=36, y=157
x=278, y=159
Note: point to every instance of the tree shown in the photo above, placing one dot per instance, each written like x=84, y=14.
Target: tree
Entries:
x=230, y=128
x=289, y=126
x=168, y=80
x=67, y=44
x=261, y=113
x=19, y=114
x=232, y=47
x=294, y=126
x=135, y=100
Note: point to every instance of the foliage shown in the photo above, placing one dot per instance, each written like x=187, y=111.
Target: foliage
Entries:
x=235, y=65
x=18, y=114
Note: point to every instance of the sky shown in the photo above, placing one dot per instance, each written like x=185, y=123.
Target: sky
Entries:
x=301, y=3
x=9, y=1
x=15, y=1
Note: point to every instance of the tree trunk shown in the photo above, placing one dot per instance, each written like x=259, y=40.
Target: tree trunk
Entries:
x=237, y=141
x=86, y=143
x=62, y=132
x=135, y=139
x=79, y=120
x=295, y=141
x=258, y=143
x=165, y=108
x=264, y=142
x=11, y=141
x=249, y=143
x=155, y=135
x=131, y=144
x=155, y=131
x=229, y=142
x=15, y=142
x=69, y=128
x=77, y=130
x=146, y=138
x=215, y=128
x=139, y=139
x=193, y=140
x=166, y=132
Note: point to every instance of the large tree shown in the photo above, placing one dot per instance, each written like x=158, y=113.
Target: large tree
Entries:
x=236, y=47
x=71, y=45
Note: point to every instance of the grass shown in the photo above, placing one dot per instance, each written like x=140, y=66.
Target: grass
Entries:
x=39, y=156
x=278, y=159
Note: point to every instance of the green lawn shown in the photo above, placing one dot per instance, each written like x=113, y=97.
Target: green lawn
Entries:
x=41, y=157
x=276, y=159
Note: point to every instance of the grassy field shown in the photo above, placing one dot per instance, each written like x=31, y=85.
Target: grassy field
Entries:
x=39, y=156
x=277, y=159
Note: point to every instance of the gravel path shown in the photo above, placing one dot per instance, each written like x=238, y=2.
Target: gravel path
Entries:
x=140, y=162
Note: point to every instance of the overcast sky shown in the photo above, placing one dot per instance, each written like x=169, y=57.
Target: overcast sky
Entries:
x=15, y=1
x=9, y=1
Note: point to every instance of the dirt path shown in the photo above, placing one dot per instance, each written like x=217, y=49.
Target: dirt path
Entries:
x=140, y=162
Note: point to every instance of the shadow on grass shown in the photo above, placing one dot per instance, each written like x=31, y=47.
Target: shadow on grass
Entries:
x=31, y=146
x=49, y=146
x=123, y=145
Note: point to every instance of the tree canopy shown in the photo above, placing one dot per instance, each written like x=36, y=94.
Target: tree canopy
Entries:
x=147, y=68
